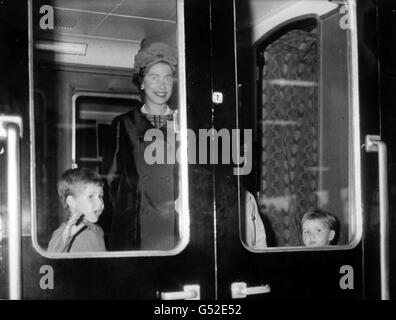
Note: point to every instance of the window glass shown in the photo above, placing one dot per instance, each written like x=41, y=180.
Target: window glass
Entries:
x=105, y=133
x=304, y=183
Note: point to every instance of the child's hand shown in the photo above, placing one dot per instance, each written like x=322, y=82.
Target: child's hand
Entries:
x=72, y=227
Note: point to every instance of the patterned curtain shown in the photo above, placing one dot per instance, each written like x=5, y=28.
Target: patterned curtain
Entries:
x=289, y=127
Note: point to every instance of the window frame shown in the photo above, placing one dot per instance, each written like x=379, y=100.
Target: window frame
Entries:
x=183, y=215
x=354, y=154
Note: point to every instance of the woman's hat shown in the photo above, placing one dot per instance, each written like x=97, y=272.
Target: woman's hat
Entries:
x=153, y=53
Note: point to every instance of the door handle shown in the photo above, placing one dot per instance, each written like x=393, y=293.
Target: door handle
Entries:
x=11, y=131
x=374, y=144
x=190, y=292
x=241, y=290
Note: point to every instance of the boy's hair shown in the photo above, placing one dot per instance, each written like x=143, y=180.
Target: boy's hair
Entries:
x=67, y=183
x=330, y=219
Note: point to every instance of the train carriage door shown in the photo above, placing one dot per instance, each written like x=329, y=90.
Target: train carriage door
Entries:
x=386, y=130
x=69, y=76
x=293, y=226
x=14, y=144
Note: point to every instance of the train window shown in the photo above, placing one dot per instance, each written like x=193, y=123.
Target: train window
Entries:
x=306, y=178
x=100, y=187
x=93, y=117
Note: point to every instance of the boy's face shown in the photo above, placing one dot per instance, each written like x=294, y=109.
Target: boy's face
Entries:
x=87, y=200
x=316, y=233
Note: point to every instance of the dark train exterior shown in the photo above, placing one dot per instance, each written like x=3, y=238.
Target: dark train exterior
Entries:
x=309, y=90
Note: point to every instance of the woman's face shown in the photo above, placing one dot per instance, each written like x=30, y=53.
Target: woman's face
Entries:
x=158, y=84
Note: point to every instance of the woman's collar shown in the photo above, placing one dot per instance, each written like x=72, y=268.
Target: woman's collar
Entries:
x=168, y=110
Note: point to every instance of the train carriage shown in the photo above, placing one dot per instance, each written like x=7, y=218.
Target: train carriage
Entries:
x=282, y=106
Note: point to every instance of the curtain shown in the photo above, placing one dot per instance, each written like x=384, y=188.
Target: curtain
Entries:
x=289, y=134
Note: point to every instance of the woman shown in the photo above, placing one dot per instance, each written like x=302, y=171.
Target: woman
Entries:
x=143, y=194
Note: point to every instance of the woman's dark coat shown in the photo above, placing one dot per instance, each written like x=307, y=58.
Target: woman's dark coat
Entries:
x=141, y=195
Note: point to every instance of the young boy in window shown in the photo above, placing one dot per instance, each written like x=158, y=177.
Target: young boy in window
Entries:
x=319, y=228
x=81, y=193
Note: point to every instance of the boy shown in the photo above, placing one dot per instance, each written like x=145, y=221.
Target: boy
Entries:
x=318, y=228
x=81, y=193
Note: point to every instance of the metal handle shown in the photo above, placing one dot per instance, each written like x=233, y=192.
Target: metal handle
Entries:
x=190, y=292
x=374, y=144
x=241, y=290
x=11, y=129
